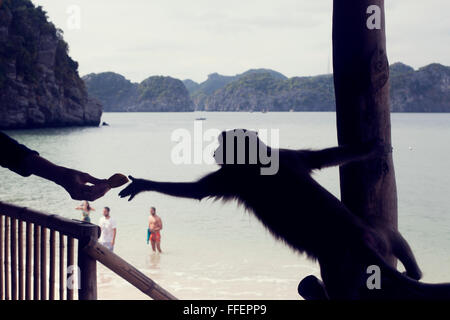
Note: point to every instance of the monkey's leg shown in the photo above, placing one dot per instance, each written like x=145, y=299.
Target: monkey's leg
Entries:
x=403, y=252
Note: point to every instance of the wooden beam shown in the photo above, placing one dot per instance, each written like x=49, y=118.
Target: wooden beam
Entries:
x=126, y=271
x=361, y=74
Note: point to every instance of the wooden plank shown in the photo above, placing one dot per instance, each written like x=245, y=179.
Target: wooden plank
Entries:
x=13, y=252
x=36, y=263
x=52, y=265
x=127, y=271
x=70, y=267
x=21, y=266
x=28, y=261
x=43, y=263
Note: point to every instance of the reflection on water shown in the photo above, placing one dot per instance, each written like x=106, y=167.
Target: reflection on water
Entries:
x=155, y=258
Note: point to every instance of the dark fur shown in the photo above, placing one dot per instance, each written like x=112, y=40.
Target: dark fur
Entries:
x=299, y=211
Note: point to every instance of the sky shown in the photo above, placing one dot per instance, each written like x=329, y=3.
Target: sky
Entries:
x=193, y=38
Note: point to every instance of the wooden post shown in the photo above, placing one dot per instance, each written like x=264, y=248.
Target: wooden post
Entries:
x=20, y=266
x=36, y=263
x=88, y=272
x=61, y=267
x=43, y=263
x=52, y=265
x=28, y=260
x=13, y=236
x=70, y=266
x=87, y=264
x=1, y=258
x=361, y=74
x=6, y=258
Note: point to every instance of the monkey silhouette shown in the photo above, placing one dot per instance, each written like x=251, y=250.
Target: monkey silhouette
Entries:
x=296, y=209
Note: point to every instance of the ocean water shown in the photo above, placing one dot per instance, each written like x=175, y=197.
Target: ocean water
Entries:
x=213, y=250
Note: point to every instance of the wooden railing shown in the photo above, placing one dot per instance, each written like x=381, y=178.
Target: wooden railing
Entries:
x=38, y=260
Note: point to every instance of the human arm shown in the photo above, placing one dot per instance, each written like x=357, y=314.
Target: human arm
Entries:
x=26, y=162
x=114, y=236
x=79, y=185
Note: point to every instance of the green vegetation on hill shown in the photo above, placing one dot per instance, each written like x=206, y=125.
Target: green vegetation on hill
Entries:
x=424, y=90
x=201, y=92
x=155, y=93
x=264, y=91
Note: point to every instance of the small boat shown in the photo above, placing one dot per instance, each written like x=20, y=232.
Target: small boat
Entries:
x=200, y=119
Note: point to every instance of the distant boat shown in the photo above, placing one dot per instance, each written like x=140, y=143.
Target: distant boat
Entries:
x=200, y=119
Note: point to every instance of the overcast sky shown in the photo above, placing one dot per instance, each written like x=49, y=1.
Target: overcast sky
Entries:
x=193, y=38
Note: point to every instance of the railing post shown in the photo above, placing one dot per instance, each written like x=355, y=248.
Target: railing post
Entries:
x=87, y=267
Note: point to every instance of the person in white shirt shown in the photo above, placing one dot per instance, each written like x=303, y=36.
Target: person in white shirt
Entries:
x=109, y=230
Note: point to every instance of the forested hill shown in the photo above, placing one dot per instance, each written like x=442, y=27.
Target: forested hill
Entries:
x=154, y=94
x=424, y=90
x=39, y=82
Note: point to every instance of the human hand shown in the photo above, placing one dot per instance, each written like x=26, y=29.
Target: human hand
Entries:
x=135, y=187
x=81, y=185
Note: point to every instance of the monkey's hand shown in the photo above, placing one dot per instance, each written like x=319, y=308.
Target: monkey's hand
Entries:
x=135, y=187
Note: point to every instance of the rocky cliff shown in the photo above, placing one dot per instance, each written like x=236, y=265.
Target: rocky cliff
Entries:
x=154, y=94
x=39, y=82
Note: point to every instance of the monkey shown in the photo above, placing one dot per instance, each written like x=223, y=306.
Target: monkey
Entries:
x=296, y=209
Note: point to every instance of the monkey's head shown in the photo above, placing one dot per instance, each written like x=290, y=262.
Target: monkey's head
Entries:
x=241, y=148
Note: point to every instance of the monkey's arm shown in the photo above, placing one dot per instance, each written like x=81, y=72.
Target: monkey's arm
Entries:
x=338, y=156
x=207, y=186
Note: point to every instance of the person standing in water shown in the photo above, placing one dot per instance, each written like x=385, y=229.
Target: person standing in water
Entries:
x=155, y=226
x=109, y=229
x=85, y=211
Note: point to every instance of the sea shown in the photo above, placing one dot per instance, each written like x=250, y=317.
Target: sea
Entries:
x=215, y=250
